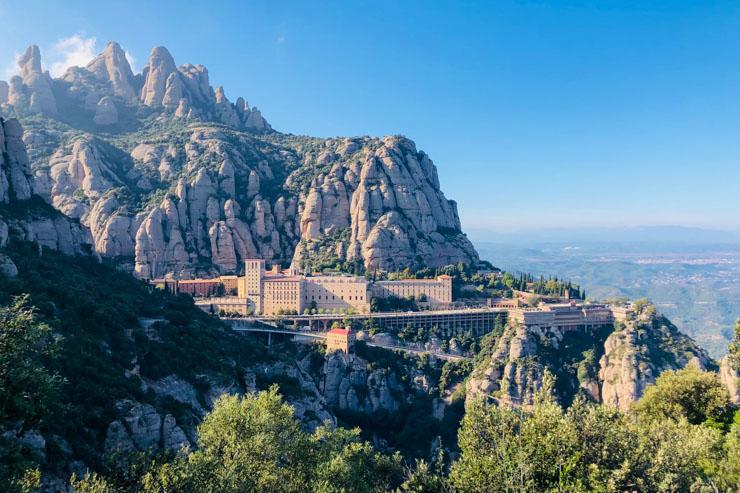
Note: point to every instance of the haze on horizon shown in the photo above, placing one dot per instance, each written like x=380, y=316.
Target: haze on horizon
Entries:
x=561, y=114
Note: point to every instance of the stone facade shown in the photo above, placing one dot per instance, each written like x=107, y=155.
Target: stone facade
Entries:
x=568, y=316
x=339, y=340
x=282, y=294
x=434, y=292
x=337, y=293
x=276, y=292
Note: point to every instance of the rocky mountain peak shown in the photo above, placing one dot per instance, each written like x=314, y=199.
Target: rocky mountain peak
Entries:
x=30, y=62
x=157, y=72
x=31, y=90
x=112, y=65
x=166, y=171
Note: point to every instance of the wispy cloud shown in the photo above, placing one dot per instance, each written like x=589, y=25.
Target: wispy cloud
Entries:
x=74, y=50
x=130, y=58
x=280, y=39
x=11, y=68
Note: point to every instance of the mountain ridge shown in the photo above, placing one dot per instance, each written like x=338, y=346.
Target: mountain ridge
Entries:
x=173, y=178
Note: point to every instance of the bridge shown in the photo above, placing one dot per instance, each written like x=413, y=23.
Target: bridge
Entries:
x=241, y=325
x=479, y=321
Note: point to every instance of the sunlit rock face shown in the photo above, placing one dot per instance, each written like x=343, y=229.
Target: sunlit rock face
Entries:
x=166, y=171
x=22, y=218
x=631, y=356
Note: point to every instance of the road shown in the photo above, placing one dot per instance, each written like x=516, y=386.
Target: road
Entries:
x=322, y=335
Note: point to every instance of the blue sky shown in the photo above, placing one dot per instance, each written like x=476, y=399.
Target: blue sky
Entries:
x=557, y=114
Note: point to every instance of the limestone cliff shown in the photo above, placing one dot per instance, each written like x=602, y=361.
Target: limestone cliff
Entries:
x=636, y=353
x=22, y=214
x=730, y=378
x=511, y=374
x=349, y=385
x=613, y=365
x=165, y=171
x=31, y=90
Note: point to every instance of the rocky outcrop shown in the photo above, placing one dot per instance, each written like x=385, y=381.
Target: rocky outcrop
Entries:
x=625, y=372
x=106, y=112
x=157, y=76
x=391, y=209
x=7, y=266
x=180, y=177
x=387, y=194
x=730, y=377
x=113, y=67
x=31, y=91
x=143, y=428
x=310, y=407
x=632, y=357
x=29, y=219
x=347, y=384
x=513, y=375
x=638, y=353
x=4, y=88
x=16, y=179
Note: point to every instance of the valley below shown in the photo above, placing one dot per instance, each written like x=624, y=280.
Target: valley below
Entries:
x=697, y=286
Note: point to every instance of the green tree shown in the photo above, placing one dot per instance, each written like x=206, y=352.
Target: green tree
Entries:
x=608, y=447
x=91, y=483
x=491, y=455
x=28, y=390
x=254, y=443
x=689, y=393
x=245, y=444
x=344, y=463
x=423, y=478
x=728, y=469
x=733, y=351
x=675, y=455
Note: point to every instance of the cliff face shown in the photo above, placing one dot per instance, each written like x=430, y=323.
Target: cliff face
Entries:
x=638, y=353
x=611, y=366
x=730, y=378
x=22, y=214
x=347, y=384
x=167, y=172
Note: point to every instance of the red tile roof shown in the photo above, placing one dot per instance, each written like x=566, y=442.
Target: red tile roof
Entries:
x=344, y=332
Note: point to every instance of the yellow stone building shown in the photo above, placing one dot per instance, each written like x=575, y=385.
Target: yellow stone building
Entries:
x=283, y=294
x=336, y=293
x=437, y=292
x=276, y=292
x=339, y=340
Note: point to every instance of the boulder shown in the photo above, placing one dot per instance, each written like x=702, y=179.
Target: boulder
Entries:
x=7, y=267
x=106, y=112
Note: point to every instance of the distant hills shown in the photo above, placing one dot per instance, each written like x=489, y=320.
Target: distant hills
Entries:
x=693, y=275
x=638, y=234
